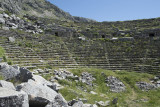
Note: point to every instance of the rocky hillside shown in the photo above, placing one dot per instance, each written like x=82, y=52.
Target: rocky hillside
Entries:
x=20, y=87
x=40, y=8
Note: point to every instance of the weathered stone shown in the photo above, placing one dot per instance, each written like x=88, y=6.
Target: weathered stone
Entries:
x=11, y=98
x=1, y=15
x=40, y=80
x=58, y=102
x=39, y=70
x=2, y=21
x=83, y=100
x=103, y=104
x=78, y=104
x=144, y=86
x=70, y=103
x=5, y=28
x=38, y=94
x=82, y=38
x=5, y=15
x=25, y=75
x=158, y=83
x=63, y=74
x=115, y=84
x=7, y=85
x=87, y=78
x=92, y=92
x=11, y=39
x=8, y=72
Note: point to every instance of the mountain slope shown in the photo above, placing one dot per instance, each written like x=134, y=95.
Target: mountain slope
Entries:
x=40, y=8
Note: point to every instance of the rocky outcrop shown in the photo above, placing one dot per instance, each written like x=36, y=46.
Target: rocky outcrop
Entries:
x=11, y=98
x=14, y=22
x=115, y=84
x=40, y=8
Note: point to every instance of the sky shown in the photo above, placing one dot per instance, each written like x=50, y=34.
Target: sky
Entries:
x=111, y=10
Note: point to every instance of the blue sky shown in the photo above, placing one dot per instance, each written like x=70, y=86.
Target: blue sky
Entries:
x=111, y=10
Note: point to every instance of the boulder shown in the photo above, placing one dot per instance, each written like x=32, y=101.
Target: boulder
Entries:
x=70, y=103
x=8, y=72
x=40, y=80
x=58, y=102
x=55, y=86
x=7, y=85
x=24, y=75
x=1, y=60
x=5, y=15
x=158, y=83
x=5, y=28
x=11, y=39
x=2, y=21
x=78, y=104
x=39, y=95
x=1, y=15
x=11, y=98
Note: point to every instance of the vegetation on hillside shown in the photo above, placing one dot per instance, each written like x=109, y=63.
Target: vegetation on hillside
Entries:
x=132, y=97
x=1, y=52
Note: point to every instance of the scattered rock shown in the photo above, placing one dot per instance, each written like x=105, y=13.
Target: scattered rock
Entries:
x=83, y=100
x=39, y=71
x=63, y=73
x=92, y=92
x=144, y=86
x=115, y=84
x=82, y=38
x=87, y=78
x=11, y=98
x=103, y=104
x=7, y=85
